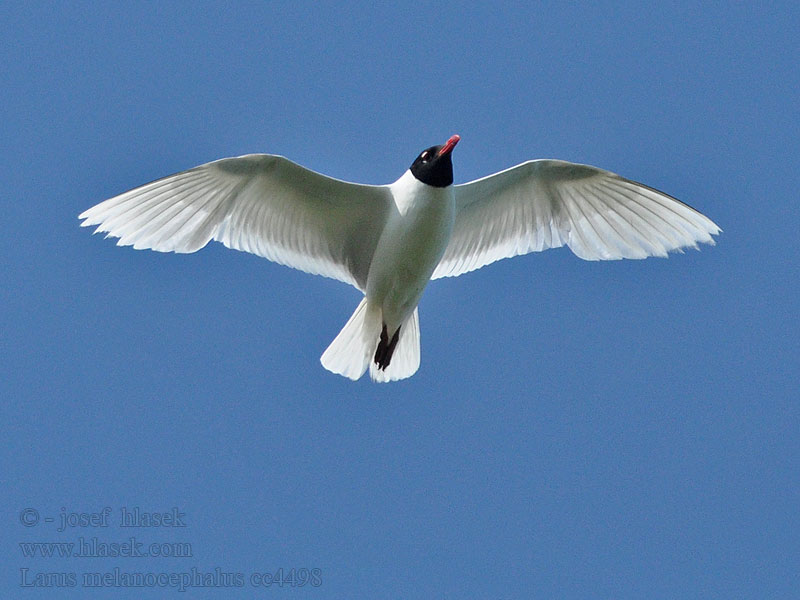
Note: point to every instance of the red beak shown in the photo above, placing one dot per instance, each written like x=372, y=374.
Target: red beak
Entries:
x=449, y=145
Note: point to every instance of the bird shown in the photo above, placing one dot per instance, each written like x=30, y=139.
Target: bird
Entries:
x=389, y=241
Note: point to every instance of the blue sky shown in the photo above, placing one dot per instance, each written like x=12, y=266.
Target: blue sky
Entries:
x=576, y=429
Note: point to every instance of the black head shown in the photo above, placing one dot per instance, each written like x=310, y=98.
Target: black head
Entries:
x=433, y=166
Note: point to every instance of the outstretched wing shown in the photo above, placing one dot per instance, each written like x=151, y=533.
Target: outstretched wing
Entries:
x=544, y=204
x=258, y=203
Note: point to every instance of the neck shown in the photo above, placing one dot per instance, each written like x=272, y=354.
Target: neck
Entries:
x=410, y=193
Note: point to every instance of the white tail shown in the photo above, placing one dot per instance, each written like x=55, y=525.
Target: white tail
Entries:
x=349, y=354
x=353, y=349
x=405, y=360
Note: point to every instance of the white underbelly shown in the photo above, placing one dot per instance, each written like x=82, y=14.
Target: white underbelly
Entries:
x=408, y=251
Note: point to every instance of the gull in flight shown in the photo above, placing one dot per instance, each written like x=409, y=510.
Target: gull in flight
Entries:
x=389, y=241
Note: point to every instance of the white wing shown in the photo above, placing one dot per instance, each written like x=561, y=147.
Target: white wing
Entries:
x=258, y=203
x=544, y=204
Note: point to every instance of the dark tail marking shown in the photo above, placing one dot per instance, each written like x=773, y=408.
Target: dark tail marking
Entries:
x=383, y=355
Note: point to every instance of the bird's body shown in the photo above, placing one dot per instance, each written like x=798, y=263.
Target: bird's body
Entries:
x=411, y=245
x=390, y=241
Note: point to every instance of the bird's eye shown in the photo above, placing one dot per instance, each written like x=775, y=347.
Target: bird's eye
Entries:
x=424, y=155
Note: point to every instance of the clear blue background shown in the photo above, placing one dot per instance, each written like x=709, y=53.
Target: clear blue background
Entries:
x=576, y=429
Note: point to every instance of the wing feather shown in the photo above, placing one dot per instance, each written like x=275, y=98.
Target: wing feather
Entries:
x=545, y=204
x=258, y=203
